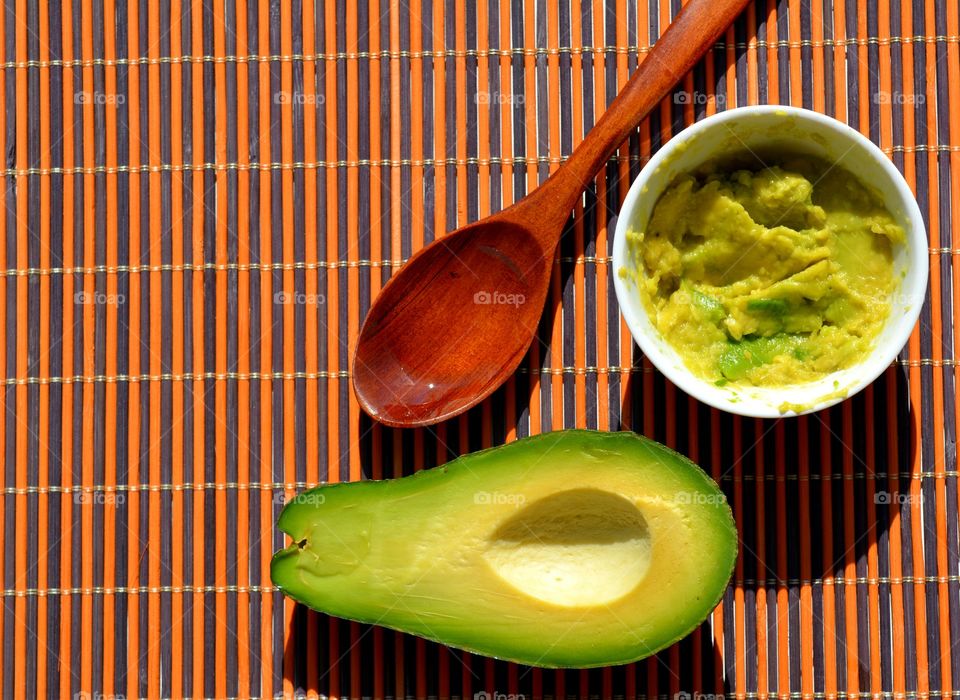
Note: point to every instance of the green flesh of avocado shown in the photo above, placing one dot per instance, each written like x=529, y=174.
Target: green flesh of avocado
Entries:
x=737, y=359
x=775, y=307
x=569, y=549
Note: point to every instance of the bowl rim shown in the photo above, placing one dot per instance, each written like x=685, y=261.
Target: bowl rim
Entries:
x=879, y=358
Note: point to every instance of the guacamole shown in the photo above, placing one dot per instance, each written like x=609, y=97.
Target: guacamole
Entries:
x=768, y=277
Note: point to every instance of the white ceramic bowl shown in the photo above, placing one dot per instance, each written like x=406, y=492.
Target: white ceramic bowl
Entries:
x=766, y=128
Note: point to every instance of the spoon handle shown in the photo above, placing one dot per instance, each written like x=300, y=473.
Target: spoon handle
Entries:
x=695, y=29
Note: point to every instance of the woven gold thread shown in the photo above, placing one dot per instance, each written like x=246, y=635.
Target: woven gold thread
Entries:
x=134, y=590
x=188, y=589
x=300, y=165
x=241, y=267
x=156, y=488
x=374, y=163
x=345, y=374
x=201, y=267
x=174, y=377
x=302, y=485
x=281, y=266
x=387, y=54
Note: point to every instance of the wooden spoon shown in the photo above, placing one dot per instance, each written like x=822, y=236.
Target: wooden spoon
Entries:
x=457, y=319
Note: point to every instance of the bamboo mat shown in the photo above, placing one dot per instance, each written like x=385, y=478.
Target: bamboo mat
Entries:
x=201, y=200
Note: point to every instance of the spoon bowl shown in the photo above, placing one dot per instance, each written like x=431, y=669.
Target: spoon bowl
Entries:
x=479, y=292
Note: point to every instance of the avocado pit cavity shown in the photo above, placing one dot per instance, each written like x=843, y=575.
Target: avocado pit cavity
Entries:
x=582, y=547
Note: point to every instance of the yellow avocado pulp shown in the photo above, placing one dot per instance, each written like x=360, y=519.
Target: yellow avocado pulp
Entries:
x=768, y=277
x=575, y=548
x=569, y=549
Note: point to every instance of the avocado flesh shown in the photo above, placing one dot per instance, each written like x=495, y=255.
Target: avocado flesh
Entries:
x=569, y=549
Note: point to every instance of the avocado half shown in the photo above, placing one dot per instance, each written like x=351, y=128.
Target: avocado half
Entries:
x=569, y=549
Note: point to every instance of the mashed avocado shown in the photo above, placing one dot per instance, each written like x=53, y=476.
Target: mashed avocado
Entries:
x=768, y=277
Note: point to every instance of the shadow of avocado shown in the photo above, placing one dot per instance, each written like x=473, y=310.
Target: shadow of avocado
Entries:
x=339, y=658
x=811, y=495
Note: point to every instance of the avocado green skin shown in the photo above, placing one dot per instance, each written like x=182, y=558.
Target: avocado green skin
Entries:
x=298, y=515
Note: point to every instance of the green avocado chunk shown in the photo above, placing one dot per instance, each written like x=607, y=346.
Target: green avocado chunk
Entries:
x=740, y=357
x=709, y=306
x=574, y=548
x=775, y=307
